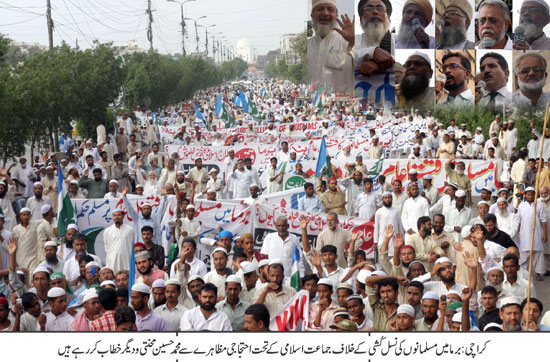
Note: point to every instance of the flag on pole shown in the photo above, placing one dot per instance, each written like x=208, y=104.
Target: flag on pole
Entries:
x=253, y=109
x=227, y=117
x=65, y=210
x=295, y=273
x=219, y=104
x=262, y=92
x=317, y=103
x=244, y=102
x=198, y=113
x=322, y=159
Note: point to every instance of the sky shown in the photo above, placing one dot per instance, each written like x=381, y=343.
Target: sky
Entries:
x=121, y=21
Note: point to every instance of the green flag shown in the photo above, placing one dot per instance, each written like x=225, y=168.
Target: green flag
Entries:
x=227, y=117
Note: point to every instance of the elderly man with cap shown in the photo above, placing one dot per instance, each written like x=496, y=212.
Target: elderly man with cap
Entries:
x=205, y=317
x=458, y=216
x=36, y=202
x=353, y=186
x=26, y=235
x=146, y=319
x=329, y=51
x=507, y=221
x=527, y=223
x=47, y=230
x=375, y=46
x=494, y=20
x=533, y=146
x=417, y=15
x=232, y=305
x=91, y=312
x=531, y=75
x=57, y=319
x=113, y=191
x=544, y=201
x=413, y=179
x=415, y=90
x=456, y=18
x=248, y=272
x=173, y=310
x=220, y=272
x=274, y=294
x=281, y=244
x=510, y=313
x=118, y=240
x=254, y=197
x=482, y=209
x=51, y=259
x=50, y=186
x=74, y=191
x=24, y=176
x=7, y=197
x=459, y=177
x=534, y=16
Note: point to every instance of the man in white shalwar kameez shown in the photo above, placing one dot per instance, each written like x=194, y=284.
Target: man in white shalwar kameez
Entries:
x=330, y=50
x=118, y=240
x=354, y=187
x=384, y=216
x=458, y=217
x=26, y=235
x=414, y=207
x=525, y=214
x=544, y=200
x=507, y=221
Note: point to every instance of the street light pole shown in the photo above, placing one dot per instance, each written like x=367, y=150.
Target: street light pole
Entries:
x=183, y=53
x=196, y=30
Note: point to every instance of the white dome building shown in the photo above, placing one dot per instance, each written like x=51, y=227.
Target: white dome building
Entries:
x=245, y=50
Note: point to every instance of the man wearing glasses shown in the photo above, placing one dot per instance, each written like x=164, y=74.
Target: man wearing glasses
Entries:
x=456, y=20
x=533, y=17
x=530, y=73
x=330, y=50
x=411, y=33
x=415, y=83
x=494, y=20
x=457, y=70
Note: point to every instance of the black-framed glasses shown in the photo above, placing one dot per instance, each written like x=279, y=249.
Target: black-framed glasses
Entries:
x=450, y=66
x=527, y=70
x=371, y=8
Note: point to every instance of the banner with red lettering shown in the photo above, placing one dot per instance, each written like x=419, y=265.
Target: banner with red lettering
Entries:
x=294, y=316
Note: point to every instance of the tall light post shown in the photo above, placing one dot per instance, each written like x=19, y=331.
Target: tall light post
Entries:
x=183, y=53
x=206, y=35
x=196, y=30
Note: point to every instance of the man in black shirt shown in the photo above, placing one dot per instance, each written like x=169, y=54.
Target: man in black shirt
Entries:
x=489, y=297
x=494, y=234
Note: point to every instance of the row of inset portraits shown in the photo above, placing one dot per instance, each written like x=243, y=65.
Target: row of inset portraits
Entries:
x=382, y=51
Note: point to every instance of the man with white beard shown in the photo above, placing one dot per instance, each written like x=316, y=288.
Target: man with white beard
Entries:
x=494, y=20
x=456, y=21
x=545, y=202
x=533, y=17
x=530, y=73
x=330, y=50
x=415, y=82
x=376, y=46
x=506, y=221
x=409, y=37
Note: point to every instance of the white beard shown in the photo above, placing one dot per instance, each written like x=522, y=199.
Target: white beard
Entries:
x=499, y=37
x=375, y=31
x=453, y=36
x=531, y=30
x=536, y=86
x=323, y=30
x=503, y=213
x=406, y=35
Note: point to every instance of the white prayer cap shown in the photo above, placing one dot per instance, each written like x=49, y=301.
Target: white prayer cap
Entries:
x=107, y=282
x=49, y=167
x=502, y=189
x=45, y=209
x=72, y=226
x=460, y=193
x=142, y=288
x=210, y=190
x=363, y=275
x=74, y=182
x=342, y=312
x=40, y=269
x=502, y=199
x=254, y=185
x=263, y=263
x=530, y=188
x=219, y=249
x=32, y=290
x=413, y=171
x=56, y=292
x=406, y=309
x=118, y=209
x=354, y=296
x=443, y=259
x=91, y=294
x=159, y=283
x=457, y=317
x=415, y=262
x=142, y=255
x=93, y=263
x=212, y=170
x=138, y=186
x=508, y=301
x=247, y=267
x=379, y=273
x=20, y=272
x=275, y=261
x=492, y=325
x=38, y=183
x=487, y=188
x=173, y=282
x=465, y=232
x=499, y=268
x=430, y=295
x=428, y=177
x=25, y=209
x=454, y=185
x=192, y=278
x=146, y=204
x=113, y=182
x=483, y=202
x=180, y=171
x=190, y=206
x=50, y=243
x=424, y=56
x=479, y=129
x=541, y=2
x=326, y=281
x=233, y=279
x=387, y=193
x=2, y=216
x=344, y=286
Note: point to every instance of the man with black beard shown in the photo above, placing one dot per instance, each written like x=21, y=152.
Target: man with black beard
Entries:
x=386, y=215
x=533, y=17
x=375, y=47
x=66, y=251
x=329, y=51
x=530, y=74
x=456, y=20
x=50, y=250
x=71, y=269
x=457, y=70
x=205, y=317
x=414, y=85
x=427, y=250
x=408, y=37
x=445, y=270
